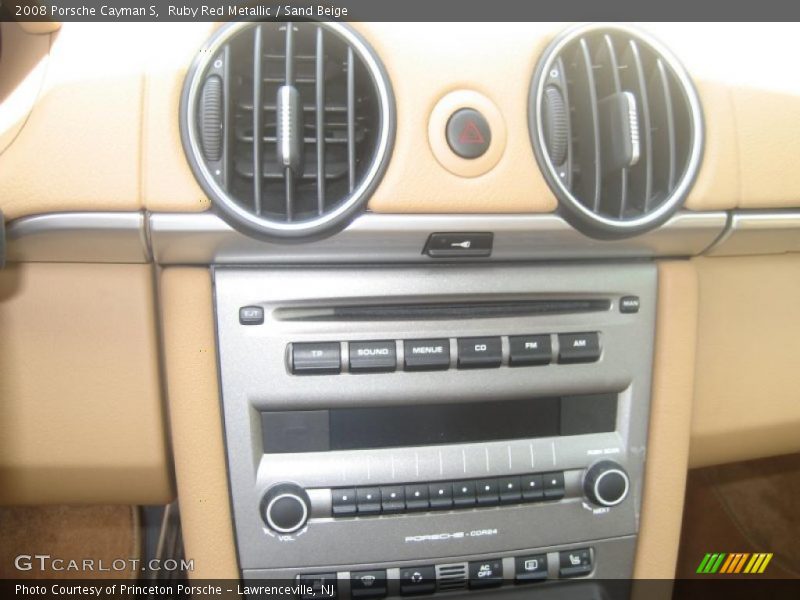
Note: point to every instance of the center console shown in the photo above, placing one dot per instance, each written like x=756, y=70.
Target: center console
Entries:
x=419, y=430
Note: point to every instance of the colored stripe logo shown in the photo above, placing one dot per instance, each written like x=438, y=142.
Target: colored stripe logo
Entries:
x=734, y=563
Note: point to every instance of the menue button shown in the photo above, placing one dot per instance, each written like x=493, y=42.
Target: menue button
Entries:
x=427, y=355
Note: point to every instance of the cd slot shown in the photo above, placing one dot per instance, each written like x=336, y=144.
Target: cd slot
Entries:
x=442, y=310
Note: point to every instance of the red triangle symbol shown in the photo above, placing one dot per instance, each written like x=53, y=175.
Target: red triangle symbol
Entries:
x=471, y=134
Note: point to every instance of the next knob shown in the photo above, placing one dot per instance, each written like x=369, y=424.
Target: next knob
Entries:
x=606, y=483
x=285, y=507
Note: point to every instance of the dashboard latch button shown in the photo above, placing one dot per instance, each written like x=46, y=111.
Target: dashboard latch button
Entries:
x=459, y=245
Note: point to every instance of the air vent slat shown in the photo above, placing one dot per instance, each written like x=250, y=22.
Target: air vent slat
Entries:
x=308, y=126
x=635, y=124
x=589, y=124
x=257, y=51
x=615, y=194
x=644, y=168
x=664, y=150
x=319, y=109
x=226, y=103
x=351, y=120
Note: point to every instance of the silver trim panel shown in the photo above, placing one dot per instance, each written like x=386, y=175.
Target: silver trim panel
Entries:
x=763, y=232
x=203, y=238
x=98, y=237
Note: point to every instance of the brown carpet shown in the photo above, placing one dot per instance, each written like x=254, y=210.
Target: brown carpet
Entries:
x=98, y=533
x=744, y=507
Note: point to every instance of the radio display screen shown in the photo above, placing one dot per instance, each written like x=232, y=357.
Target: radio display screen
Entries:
x=433, y=424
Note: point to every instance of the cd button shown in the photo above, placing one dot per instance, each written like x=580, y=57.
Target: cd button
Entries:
x=479, y=352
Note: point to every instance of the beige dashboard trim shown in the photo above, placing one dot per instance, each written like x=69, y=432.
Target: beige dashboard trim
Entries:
x=81, y=410
x=670, y=418
x=196, y=422
x=747, y=398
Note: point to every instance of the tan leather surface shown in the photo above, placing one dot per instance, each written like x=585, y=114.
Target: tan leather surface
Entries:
x=196, y=422
x=670, y=417
x=79, y=149
x=80, y=399
x=747, y=397
x=167, y=181
x=23, y=64
x=104, y=132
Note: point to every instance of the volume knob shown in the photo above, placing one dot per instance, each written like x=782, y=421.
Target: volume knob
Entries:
x=606, y=483
x=285, y=507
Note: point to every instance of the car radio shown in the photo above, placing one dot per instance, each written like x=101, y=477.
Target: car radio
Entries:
x=395, y=431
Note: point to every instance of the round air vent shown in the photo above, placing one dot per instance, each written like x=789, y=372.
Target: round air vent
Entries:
x=617, y=129
x=288, y=127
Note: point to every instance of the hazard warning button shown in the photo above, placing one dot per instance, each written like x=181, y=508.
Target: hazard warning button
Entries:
x=468, y=133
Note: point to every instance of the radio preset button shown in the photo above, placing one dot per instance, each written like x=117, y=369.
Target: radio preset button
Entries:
x=578, y=347
x=373, y=357
x=417, y=497
x=393, y=499
x=418, y=580
x=509, y=489
x=426, y=355
x=529, y=350
x=316, y=358
x=532, y=488
x=463, y=493
x=368, y=584
x=486, y=492
x=368, y=501
x=479, y=352
x=486, y=573
x=574, y=563
x=530, y=568
x=440, y=496
x=553, y=485
x=343, y=502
